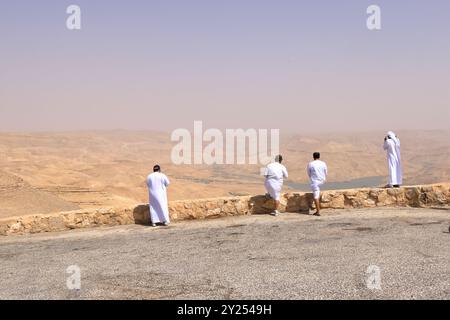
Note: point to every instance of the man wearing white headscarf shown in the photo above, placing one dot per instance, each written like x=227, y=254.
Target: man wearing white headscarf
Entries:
x=157, y=183
x=274, y=173
x=392, y=147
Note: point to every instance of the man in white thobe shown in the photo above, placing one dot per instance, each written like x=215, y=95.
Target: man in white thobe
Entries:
x=275, y=173
x=157, y=183
x=392, y=147
x=317, y=173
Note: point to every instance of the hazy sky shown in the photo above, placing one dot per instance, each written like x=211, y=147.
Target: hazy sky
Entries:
x=159, y=65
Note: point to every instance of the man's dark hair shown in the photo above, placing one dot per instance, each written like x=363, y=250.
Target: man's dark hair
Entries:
x=156, y=168
x=316, y=155
x=279, y=158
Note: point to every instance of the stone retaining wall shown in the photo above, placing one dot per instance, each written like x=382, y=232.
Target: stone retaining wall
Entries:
x=413, y=196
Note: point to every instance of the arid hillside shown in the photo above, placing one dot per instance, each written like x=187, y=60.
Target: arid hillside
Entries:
x=45, y=172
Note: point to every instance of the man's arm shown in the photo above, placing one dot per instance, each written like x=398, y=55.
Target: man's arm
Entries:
x=266, y=172
x=386, y=144
x=166, y=181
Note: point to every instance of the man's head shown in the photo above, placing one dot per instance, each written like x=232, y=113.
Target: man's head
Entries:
x=278, y=158
x=316, y=155
x=391, y=135
x=156, y=168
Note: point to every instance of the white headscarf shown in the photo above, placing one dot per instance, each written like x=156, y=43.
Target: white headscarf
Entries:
x=394, y=138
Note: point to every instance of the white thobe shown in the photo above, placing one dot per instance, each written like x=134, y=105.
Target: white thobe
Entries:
x=274, y=173
x=392, y=147
x=317, y=172
x=157, y=184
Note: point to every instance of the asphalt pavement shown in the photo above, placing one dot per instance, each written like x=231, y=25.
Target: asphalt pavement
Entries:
x=381, y=253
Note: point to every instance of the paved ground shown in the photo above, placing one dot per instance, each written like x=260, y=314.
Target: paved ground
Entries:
x=293, y=256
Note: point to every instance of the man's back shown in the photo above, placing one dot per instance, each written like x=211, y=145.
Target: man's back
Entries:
x=317, y=170
x=276, y=171
x=157, y=181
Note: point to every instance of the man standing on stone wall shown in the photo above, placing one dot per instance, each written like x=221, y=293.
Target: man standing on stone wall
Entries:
x=392, y=147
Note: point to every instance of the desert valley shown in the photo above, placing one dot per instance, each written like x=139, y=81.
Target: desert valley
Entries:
x=51, y=172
